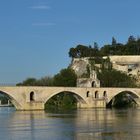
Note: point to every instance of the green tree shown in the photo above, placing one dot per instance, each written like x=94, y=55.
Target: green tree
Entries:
x=114, y=78
x=131, y=39
x=66, y=77
x=62, y=101
x=114, y=42
x=96, y=50
x=45, y=81
x=84, y=51
x=105, y=50
x=28, y=82
x=73, y=53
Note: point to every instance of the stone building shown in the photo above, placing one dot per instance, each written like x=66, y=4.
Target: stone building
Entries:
x=79, y=65
x=129, y=64
x=93, y=81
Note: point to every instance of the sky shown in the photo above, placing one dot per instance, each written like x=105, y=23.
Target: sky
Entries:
x=36, y=35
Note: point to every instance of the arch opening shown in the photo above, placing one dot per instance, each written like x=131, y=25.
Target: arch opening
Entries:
x=104, y=94
x=32, y=96
x=96, y=94
x=87, y=93
x=7, y=101
x=124, y=99
x=93, y=84
x=64, y=100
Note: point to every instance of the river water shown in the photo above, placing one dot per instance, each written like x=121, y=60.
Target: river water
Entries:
x=90, y=124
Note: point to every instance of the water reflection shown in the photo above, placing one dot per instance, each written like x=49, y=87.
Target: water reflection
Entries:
x=108, y=125
x=93, y=124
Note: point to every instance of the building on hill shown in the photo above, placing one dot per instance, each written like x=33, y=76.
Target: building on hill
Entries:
x=129, y=64
x=87, y=77
x=92, y=81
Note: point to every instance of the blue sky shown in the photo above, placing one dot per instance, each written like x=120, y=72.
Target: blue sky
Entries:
x=35, y=35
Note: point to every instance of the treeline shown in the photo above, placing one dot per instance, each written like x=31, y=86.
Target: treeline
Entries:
x=66, y=77
x=131, y=47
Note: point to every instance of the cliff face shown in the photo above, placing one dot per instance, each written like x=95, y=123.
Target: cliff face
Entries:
x=79, y=65
x=86, y=76
x=127, y=64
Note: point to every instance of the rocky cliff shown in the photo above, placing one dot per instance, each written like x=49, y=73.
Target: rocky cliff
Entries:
x=86, y=75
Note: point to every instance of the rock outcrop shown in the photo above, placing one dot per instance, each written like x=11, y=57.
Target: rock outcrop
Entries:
x=86, y=76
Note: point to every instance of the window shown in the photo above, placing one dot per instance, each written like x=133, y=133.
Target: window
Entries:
x=87, y=93
x=129, y=70
x=96, y=94
x=32, y=96
x=104, y=94
x=93, y=84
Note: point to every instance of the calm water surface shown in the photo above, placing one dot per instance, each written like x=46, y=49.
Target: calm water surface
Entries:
x=93, y=124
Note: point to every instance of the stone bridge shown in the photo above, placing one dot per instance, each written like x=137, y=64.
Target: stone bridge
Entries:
x=34, y=98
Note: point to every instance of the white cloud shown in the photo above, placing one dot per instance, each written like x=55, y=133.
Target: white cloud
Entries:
x=41, y=7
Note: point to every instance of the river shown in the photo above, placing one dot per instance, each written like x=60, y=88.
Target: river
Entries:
x=90, y=124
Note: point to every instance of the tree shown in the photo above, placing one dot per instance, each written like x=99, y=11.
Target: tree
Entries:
x=62, y=101
x=84, y=51
x=131, y=39
x=28, y=82
x=95, y=45
x=72, y=53
x=45, y=81
x=114, y=78
x=66, y=77
x=96, y=49
x=114, y=42
x=105, y=50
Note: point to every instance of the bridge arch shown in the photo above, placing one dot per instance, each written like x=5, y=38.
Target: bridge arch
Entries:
x=12, y=99
x=77, y=96
x=131, y=93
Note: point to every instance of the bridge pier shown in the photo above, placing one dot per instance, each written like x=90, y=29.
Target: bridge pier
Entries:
x=93, y=103
x=33, y=105
x=138, y=102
